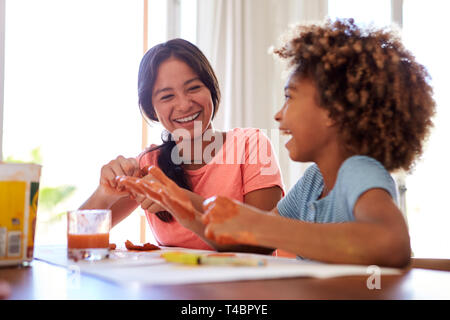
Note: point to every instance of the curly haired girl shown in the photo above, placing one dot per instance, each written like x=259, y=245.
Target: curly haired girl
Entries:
x=358, y=106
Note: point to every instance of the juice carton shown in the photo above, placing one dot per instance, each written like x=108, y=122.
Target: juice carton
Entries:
x=19, y=192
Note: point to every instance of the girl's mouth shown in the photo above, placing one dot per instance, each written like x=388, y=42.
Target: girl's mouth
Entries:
x=188, y=118
x=285, y=132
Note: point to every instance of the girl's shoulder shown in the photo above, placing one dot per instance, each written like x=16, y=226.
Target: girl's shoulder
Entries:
x=362, y=173
x=360, y=165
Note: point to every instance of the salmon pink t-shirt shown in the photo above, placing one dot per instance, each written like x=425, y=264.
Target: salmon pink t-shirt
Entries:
x=244, y=163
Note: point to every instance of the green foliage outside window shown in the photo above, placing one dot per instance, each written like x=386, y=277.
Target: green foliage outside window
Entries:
x=49, y=197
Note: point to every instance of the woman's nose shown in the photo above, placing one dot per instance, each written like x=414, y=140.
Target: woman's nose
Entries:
x=184, y=102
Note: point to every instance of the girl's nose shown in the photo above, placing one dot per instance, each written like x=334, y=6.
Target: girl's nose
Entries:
x=278, y=115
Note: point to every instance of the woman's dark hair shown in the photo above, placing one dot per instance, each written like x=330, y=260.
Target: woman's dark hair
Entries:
x=148, y=71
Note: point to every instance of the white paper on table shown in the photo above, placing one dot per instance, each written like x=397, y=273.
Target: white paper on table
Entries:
x=147, y=267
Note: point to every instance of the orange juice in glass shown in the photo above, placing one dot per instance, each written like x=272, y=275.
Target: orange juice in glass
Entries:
x=88, y=234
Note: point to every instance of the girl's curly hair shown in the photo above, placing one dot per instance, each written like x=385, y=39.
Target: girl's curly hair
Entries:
x=371, y=85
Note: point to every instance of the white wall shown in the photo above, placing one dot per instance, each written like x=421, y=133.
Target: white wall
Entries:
x=236, y=35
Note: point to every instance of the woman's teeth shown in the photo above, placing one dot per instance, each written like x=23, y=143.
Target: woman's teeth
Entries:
x=286, y=132
x=187, y=119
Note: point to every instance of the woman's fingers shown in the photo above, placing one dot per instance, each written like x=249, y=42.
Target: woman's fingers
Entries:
x=107, y=177
x=120, y=166
x=129, y=166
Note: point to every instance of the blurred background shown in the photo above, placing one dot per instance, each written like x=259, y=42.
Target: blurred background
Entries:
x=69, y=79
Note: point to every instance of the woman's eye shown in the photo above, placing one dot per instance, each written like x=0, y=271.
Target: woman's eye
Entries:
x=193, y=88
x=167, y=97
x=286, y=97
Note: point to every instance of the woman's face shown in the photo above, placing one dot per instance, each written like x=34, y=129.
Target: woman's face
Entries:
x=304, y=121
x=181, y=100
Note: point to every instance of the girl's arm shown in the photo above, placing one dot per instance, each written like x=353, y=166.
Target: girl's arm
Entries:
x=187, y=207
x=378, y=235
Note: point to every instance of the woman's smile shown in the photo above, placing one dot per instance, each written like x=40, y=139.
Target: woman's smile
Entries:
x=187, y=119
x=180, y=99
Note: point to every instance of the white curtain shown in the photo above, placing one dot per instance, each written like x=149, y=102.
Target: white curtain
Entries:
x=236, y=36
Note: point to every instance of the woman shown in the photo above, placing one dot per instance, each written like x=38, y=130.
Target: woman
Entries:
x=178, y=88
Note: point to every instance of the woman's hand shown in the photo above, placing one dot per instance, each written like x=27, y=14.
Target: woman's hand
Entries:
x=120, y=166
x=229, y=222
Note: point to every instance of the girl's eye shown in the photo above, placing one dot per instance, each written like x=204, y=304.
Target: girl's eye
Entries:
x=286, y=97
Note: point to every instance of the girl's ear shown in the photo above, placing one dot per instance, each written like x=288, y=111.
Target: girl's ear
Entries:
x=329, y=122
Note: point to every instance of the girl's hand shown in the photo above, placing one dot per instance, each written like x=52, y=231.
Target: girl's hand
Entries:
x=120, y=166
x=228, y=221
x=148, y=204
x=160, y=190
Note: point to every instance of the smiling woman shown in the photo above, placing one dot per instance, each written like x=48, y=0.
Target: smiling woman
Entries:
x=178, y=88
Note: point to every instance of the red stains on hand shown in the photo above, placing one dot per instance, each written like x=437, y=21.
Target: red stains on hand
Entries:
x=224, y=223
x=158, y=187
x=219, y=209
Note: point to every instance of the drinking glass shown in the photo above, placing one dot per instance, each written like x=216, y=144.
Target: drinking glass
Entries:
x=88, y=234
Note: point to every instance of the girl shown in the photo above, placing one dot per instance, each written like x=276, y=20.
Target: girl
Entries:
x=178, y=88
x=357, y=105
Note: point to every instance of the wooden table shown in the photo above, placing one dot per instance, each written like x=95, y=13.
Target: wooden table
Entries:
x=45, y=281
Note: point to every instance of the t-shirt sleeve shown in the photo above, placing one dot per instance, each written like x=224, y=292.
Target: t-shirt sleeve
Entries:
x=292, y=205
x=260, y=167
x=148, y=157
x=289, y=206
x=362, y=174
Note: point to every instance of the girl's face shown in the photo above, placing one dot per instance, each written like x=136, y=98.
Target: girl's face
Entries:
x=304, y=120
x=180, y=98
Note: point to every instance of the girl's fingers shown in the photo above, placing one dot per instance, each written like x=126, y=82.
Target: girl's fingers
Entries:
x=154, y=207
x=146, y=204
x=141, y=187
x=158, y=175
x=209, y=232
x=139, y=198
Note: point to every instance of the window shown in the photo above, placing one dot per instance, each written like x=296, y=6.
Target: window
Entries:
x=363, y=12
x=71, y=93
x=424, y=28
